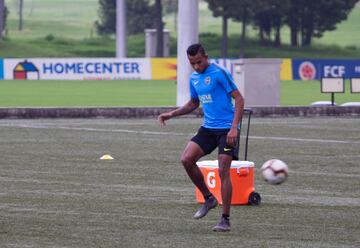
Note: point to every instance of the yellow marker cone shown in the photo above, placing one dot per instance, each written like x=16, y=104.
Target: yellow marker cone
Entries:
x=106, y=157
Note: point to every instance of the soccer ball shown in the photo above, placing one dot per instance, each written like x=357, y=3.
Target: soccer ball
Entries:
x=274, y=171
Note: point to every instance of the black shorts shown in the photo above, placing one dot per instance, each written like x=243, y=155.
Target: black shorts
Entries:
x=209, y=139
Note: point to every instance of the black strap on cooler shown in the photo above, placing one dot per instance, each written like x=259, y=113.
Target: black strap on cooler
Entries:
x=248, y=112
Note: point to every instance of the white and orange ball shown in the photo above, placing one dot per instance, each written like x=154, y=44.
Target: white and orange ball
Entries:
x=274, y=171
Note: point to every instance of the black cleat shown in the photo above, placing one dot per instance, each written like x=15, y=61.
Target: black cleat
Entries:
x=204, y=209
x=223, y=226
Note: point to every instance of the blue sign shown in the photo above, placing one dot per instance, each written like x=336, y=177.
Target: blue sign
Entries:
x=1, y=69
x=315, y=69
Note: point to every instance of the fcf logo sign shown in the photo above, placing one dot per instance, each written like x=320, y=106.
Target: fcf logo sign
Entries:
x=210, y=180
x=334, y=71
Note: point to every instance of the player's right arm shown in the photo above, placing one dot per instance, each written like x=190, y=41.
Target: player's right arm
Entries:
x=190, y=106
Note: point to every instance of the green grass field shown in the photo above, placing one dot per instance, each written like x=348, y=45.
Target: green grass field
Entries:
x=87, y=93
x=303, y=93
x=62, y=18
x=253, y=49
x=136, y=93
x=59, y=47
x=55, y=192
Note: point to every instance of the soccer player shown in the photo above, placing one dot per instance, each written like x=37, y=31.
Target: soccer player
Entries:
x=213, y=87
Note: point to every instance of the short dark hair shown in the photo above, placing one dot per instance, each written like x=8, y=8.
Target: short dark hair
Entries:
x=195, y=49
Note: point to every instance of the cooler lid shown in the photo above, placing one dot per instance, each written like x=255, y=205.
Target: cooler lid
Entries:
x=234, y=164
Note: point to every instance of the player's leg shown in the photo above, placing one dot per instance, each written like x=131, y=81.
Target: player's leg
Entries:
x=226, y=192
x=204, y=142
x=226, y=155
x=226, y=186
x=189, y=157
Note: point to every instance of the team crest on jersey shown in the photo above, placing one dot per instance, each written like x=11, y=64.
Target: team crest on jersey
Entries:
x=207, y=80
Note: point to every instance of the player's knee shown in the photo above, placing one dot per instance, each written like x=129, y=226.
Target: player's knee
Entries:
x=224, y=172
x=187, y=161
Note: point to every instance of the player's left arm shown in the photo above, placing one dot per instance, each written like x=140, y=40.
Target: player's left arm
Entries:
x=232, y=135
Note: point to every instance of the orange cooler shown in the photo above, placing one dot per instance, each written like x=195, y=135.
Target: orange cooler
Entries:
x=242, y=178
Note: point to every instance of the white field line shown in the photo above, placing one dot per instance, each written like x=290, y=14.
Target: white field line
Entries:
x=95, y=129
x=174, y=133
x=148, y=217
x=159, y=192
x=326, y=174
x=191, y=220
x=314, y=173
x=306, y=140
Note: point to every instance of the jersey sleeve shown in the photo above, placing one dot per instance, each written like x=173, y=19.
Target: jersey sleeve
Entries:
x=227, y=81
x=193, y=93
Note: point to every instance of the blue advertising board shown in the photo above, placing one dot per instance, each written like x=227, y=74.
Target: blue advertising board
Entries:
x=1, y=69
x=315, y=69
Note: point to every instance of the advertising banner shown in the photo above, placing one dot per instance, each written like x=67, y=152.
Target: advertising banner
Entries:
x=315, y=69
x=157, y=68
x=163, y=68
x=286, y=70
x=1, y=69
x=77, y=69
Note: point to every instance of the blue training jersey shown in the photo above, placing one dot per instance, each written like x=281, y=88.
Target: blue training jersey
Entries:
x=213, y=88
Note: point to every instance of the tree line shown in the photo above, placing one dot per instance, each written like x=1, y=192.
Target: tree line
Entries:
x=141, y=14
x=306, y=19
